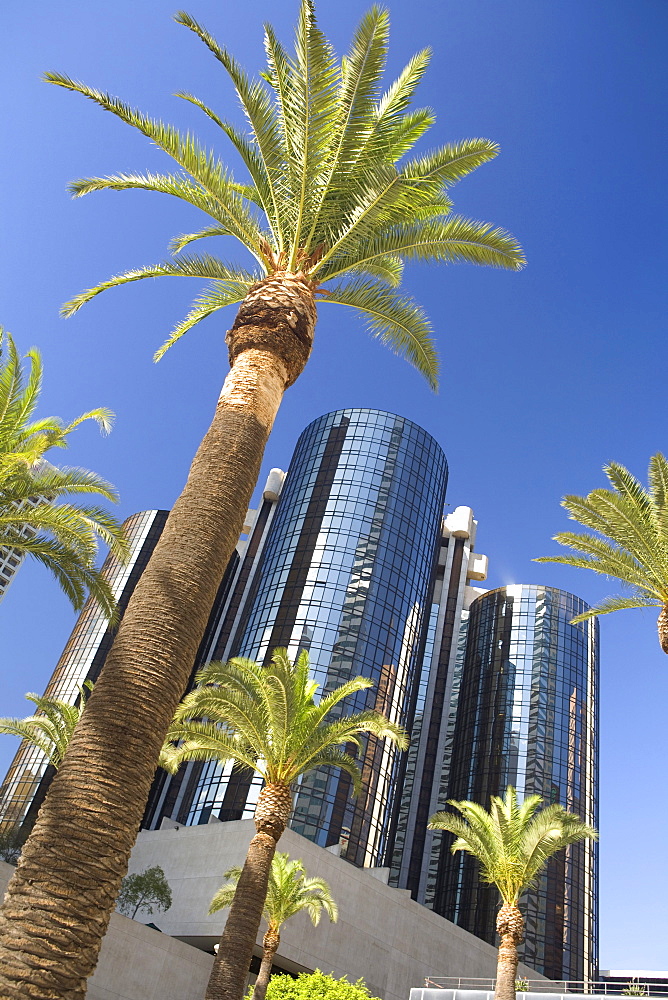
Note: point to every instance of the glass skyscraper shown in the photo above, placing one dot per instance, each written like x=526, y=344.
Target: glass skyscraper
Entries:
x=28, y=776
x=352, y=556
x=346, y=573
x=527, y=716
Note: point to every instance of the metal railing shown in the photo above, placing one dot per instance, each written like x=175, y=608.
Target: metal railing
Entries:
x=612, y=987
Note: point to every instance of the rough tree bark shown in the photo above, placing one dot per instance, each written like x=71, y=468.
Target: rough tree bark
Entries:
x=59, y=902
x=662, y=625
x=230, y=968
x=510, y=928
x=270, y=944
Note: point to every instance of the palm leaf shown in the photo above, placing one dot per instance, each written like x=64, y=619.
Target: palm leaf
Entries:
x=395, y=319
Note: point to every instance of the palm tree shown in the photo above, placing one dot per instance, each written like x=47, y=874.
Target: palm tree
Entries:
x=266, y=719
x=289, y=892
x=630, y=540
x=333, y=205
x=62, y=536
x=512, y=843
x=52, y=729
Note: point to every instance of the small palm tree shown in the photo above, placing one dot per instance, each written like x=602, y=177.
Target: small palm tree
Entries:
x=50, y=731
x=512, y=843
x=62, y=536
x=290, y=892
x=630, y=540
x=266, y=719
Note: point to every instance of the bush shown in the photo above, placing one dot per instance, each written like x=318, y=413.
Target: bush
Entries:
x=316, y=986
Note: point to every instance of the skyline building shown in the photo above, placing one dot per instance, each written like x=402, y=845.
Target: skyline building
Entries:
x=352, y=556
x=527, y=716
x=345, y=571
x=10, y=562
x=29, y=774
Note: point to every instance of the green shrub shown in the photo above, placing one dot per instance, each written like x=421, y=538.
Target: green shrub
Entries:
x=316, y=986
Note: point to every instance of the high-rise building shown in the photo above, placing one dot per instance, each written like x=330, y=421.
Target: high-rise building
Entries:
x=415, y=857
x=345, y=571
x=24, y=787
x=527, y=716
x=10, y=560
x=353, y=557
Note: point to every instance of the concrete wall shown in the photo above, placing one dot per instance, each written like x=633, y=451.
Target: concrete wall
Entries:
x=138, y=963
x=382, y=935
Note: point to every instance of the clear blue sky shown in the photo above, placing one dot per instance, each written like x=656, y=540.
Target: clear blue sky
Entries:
x=547, y=374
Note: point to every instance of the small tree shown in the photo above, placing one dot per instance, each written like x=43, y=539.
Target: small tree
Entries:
x=512, y=843
x=12, y=839
x=266, y=719
x=52, y=729
x=148, y=890
x=316, y=986
x=290, y=891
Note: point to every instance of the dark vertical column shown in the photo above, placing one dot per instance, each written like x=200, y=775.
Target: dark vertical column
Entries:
x=436, y=722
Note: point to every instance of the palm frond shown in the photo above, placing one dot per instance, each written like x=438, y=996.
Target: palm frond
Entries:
x=607, y=559
x=260, y=194
x=443, y=241
x=266, y=718
x=260, y=113
x=620, y=602
x=184, y=266
x=395, y=319
x=51, y=730
x=217, y=296
x=203, y=167
x=359, y=90
x=310, y=110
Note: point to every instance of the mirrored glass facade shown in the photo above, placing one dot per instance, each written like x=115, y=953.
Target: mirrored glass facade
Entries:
x=345, y=573
x=527, y=716
x=24, y=786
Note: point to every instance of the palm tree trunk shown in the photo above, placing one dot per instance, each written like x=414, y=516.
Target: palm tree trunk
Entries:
x=230, y=967
x=662, y=626
x=59, y=902
x=510, y=927
x=270, y=944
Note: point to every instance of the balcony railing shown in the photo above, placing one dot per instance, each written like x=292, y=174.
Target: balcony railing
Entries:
x=617, y=987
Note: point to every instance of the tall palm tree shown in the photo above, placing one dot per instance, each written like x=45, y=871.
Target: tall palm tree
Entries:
x=51, y=730
x=512, y=843
x=333, y=204
x=266, y=719
x=61, y=535
x=630, y=540
x=289, y=892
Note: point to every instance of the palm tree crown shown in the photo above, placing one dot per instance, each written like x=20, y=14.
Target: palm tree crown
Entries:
x=512, y=843
x=334, y=195
x=51, y=730
x=289, y=892
x=62, y=536
x=630, y=540
x=266, y=719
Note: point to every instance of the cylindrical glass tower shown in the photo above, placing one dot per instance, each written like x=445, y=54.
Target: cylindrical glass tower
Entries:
x=527, y=716
x=345, y=573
